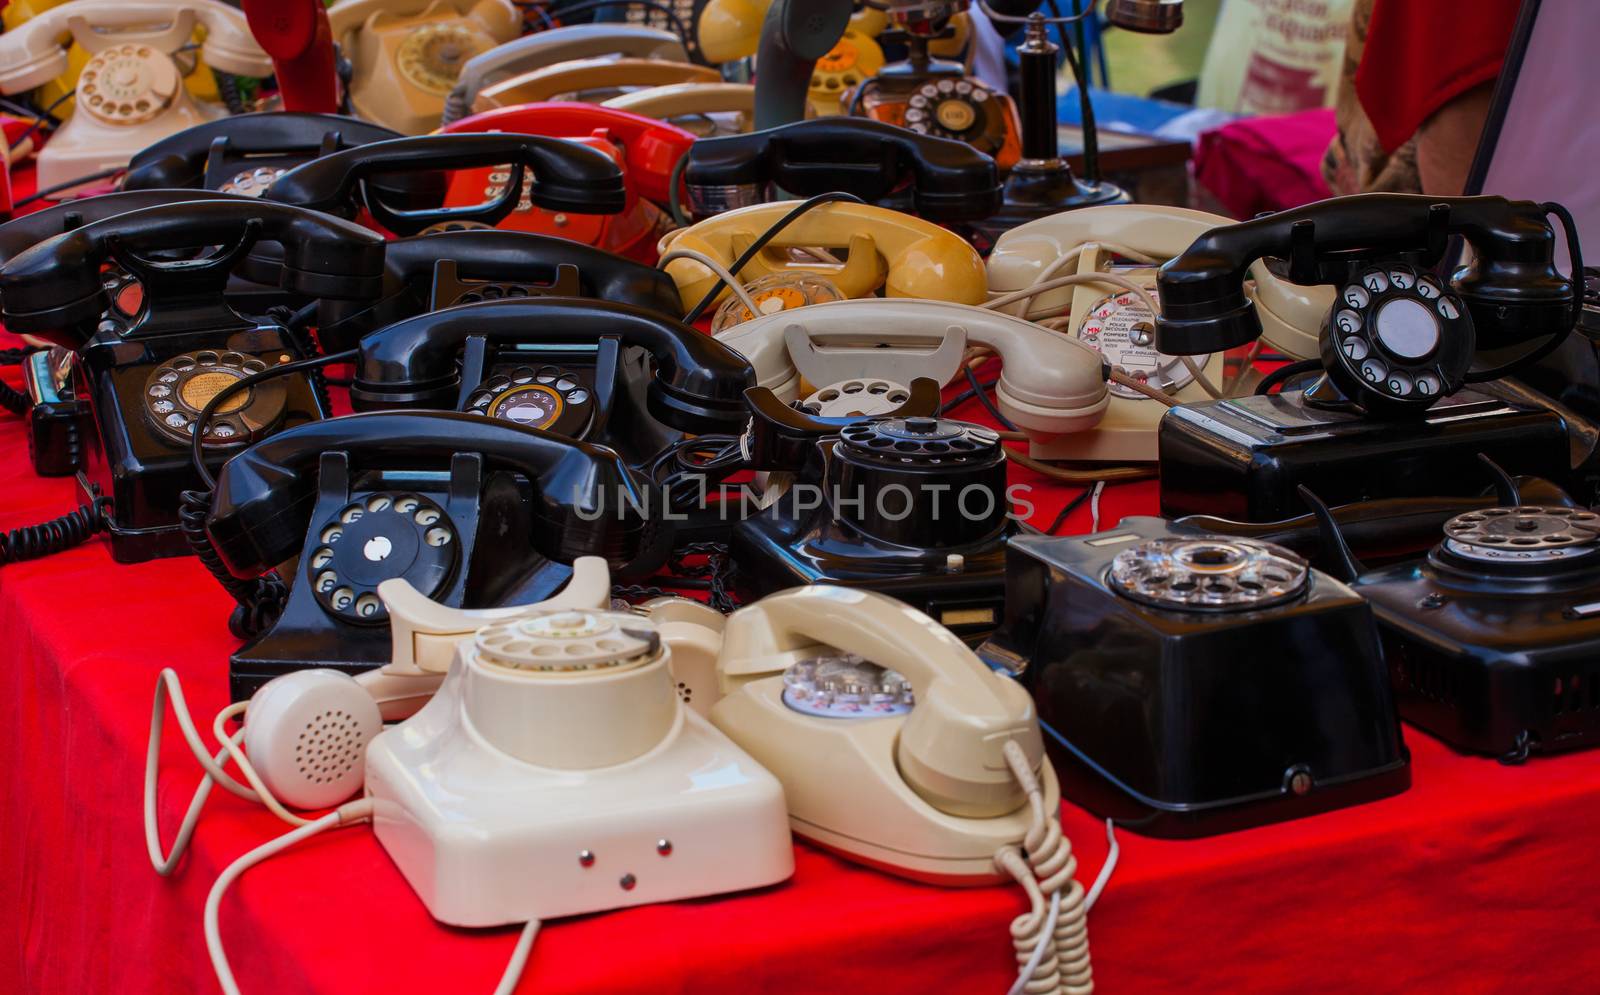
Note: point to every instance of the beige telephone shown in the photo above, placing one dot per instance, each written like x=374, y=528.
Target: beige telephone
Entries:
x=406, y=54
x=589, y=79
x=553, y=47
x=131, y=93
x=704, y=109
x=897, y=747
x=1090, y=265
x=903, y=255
x=1049, y=384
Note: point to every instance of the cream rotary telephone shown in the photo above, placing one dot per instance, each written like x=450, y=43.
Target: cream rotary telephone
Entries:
x=503, y=69
x=406, y=55
x=130, y=93
x=1090, y=266
x=1049, y=386
x=704, y=109
x=897, y=747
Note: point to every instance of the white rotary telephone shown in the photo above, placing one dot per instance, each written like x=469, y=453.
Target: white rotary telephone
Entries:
x=130, y=93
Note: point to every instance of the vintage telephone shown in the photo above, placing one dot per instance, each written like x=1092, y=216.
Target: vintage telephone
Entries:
x=703, y=109
x=934, y=96
x=932, y=178
x=130, y=93
x=854, y=58
x=405, y=55
x=788, y=37
x=565, y=176
x=646, y=149
x=914, y=506
x=1192, y=684
x=1390, y=414
x=1130, y=242
x=470, y=511
x=58, y=93
x=624, y=377
x=600, y=803
x=148, y=376
x=1491, y=634
x=898, y=748
x=902, y=255
x=557, y=46
x=245, y=153
x=297, y=35
x=1049, y=385
x=425, y=273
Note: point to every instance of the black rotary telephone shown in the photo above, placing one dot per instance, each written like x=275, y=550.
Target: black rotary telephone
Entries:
x=911, y=504
x=146, y=379
x=939, y=179
x=473, y=512
x=246, y=153
x=1396, y=412
x=1398, y=338
x=427, y=272
x=624, y=376
x=567, y=176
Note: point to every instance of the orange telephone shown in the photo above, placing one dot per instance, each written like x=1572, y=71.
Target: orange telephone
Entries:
x=646, y=149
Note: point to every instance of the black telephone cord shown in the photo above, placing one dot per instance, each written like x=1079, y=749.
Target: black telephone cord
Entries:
x=31, y=542
x=14, y=400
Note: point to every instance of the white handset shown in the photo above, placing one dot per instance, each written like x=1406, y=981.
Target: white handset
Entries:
x=1049, y=384
x=130, y=92
x=547, y=48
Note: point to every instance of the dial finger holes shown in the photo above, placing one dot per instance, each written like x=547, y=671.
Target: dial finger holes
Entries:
x=1355, y=348
x=368, y=605
x=427, y=516
x=378, y=502
x=437, y=537
x=321, y=558
x=406, y=505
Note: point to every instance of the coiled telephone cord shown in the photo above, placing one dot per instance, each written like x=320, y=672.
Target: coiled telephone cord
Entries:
x=14, y=400
x=1052, y=938
x=260, y=601
x=32, y=542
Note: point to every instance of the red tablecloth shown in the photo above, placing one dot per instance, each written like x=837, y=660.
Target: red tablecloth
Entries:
x=1481, y=878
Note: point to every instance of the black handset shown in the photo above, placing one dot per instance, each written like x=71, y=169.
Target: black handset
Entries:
x=246, y=153
x=567, y=176
x=1398, y=337
x=939, y=179
x=147, y=379
x=472, y=511
x=559, y=364
x=428, y=272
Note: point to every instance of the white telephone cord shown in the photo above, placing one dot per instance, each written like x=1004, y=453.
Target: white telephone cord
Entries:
x=168, y=688
x=733, y=283
x=1052, y=938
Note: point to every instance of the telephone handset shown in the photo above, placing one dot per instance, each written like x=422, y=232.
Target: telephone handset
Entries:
x=1398, y=338
x=148, y=378
x=570, y=367
x=590, y=80
x=646, y=149
x=704, y=109
x=553, y=47
x=915, y=729
x=1049, y=385
x=470, y=511
x=429, y=272
x=903, y=255
x=933, y=178
x=245, y=153
x=1129, y=241
x=684, y=14
x=407, y=54
x=566, y=177
x=130, y=92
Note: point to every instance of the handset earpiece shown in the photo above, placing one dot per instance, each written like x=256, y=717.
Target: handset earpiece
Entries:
x=306, y=734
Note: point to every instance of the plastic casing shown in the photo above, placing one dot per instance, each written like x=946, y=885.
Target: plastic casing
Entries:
x=1182, y=724
x=487, y=839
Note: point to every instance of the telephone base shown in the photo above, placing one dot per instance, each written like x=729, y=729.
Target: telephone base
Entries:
x=1180, y=721
x=1243, y=458
x=485, y=839
x=965, y=597
x=1042, y=188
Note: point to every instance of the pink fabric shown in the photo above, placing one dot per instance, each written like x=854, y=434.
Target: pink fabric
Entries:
x=1264, y=164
